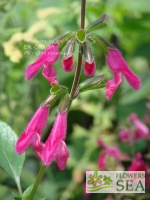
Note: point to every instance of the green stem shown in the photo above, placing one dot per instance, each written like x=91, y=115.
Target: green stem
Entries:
x=79, y=65
x=37, y=181
x=77, y=76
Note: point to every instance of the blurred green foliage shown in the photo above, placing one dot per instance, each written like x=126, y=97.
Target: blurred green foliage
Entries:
x=22, y=23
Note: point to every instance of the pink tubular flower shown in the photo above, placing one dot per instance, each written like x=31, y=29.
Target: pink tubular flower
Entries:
x=55, y=146
x=68, y=64
x=47, y=58
x=118, y=65
x=89, y=68
x=111, y=151
x=124, y=136
x=143, y=130
x=34, y=128
x=138, y=164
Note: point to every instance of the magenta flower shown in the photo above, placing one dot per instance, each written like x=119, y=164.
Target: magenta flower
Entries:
x=55, y=146
x=34, y=128
x=89, y=68
x=118, y=66
x=142, y=129
x=110, y=151
x=68, y=63
x=138, y=164
x=47, y=58
x=124, y=135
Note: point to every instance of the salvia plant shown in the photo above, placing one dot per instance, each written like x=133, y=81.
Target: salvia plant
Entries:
x=55, y=146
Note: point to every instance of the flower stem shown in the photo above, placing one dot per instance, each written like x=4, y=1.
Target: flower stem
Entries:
x=79, y=65
x=72, y=96
x=37, y=181
x=83, y=6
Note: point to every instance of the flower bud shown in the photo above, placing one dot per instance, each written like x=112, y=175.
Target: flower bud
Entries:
x=89, y=64
x=68, y=59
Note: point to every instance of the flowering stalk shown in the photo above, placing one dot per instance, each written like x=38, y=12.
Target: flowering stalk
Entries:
x=72, y=96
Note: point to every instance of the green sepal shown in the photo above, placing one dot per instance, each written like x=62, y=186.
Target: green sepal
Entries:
x=57, y=89
x=64, y=40
x=51, y=100
x=64, y=104
x=96, y=25
x=17, y=198
x=80, y=35
x=87, y=51
x=93, y=83
x=103, y=43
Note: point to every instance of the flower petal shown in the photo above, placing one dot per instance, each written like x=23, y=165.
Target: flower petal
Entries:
x=49, y=73
x=33, y=69
x=138, y=164
x=143, y=130
x=62, y=155
x=101, y=160
x=124, y=135
x=52, y=53
x=112, y=85
x=38, y=146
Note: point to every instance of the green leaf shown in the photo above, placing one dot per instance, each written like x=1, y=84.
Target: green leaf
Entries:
x=9, y=160
x=93, y=83
x=98, y=24
x=17, y=198
x=27, y=192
